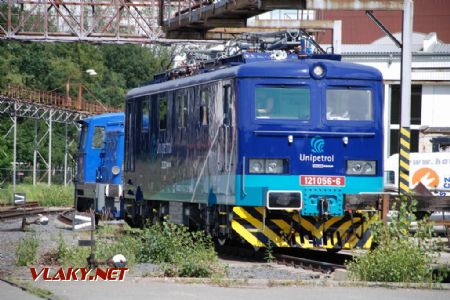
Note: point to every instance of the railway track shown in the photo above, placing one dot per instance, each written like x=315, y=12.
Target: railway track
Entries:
x=29, y=209
x=315, y=260
x=305, y=263
x=66, y=217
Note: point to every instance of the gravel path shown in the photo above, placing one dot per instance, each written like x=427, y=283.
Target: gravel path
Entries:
x=48, y=236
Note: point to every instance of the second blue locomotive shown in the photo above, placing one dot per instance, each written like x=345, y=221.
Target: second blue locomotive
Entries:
x=100, y=164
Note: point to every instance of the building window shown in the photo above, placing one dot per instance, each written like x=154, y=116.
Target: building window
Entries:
x=416, y=104
x=416, y=109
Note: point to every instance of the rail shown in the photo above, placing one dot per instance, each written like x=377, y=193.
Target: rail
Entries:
x=55, y=100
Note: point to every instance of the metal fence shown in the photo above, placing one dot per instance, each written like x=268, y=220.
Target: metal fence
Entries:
x=25, y=176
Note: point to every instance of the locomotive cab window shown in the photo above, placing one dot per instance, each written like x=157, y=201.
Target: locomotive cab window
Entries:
x=349, y=105
x=286, y=103
x=98, y=138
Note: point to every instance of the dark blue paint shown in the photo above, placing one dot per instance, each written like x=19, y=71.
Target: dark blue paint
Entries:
x=195, y=152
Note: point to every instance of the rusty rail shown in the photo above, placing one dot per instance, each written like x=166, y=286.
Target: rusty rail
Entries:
x=55, y=100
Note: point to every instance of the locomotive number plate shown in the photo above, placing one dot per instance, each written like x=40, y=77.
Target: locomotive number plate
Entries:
x=322, y=180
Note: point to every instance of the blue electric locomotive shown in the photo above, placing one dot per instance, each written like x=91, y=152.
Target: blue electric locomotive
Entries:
x=263, y=149
x=99, y=164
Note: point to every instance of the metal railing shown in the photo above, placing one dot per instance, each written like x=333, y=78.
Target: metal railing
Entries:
x=56, y=100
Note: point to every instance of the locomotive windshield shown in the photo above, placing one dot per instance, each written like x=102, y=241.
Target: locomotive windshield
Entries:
x=98, y=138
x=282, y=103
x=351, y=105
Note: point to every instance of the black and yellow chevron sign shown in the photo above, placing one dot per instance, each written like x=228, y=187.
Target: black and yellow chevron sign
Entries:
x=405, y=146
x=290, y=229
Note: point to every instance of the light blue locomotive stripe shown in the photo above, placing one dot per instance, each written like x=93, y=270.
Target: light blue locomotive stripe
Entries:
x=255, y=186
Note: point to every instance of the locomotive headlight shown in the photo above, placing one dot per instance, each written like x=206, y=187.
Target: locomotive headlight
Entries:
x=115, y=170
x=274, y=166
x=256, y=166
x=361, y=167
x=357, y=168
x=368, y=168
x=318, y=71
x=267, y=166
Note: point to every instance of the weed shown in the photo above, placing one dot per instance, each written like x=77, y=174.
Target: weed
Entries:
x=179, y=251
x=268, y=254
x=26, y=250
x=400, y=255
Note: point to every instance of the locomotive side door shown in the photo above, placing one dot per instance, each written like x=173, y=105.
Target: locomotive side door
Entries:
x=225, y=136
x=81, y=155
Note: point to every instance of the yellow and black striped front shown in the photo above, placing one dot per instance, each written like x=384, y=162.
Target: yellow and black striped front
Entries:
x=405, y=142
x=259, y=227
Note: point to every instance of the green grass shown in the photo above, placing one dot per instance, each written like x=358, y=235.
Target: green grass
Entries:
x=53, y=195
x=26, y=250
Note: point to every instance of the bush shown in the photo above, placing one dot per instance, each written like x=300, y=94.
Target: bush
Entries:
x=401, y=261
x=179, y=251
x=400, y=256
x=26, y=250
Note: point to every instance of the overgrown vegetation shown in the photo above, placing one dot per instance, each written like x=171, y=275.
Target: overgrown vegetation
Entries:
x=27, y=250
x=46, y=195
x=400, y=256
x=178, y=251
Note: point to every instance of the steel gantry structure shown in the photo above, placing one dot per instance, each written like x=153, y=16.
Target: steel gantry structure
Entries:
x=152, y=21
x=18, y=102
x=100, y=21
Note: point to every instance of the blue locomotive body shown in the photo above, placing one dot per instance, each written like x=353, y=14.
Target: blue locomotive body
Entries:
x=99, y=163
x=267, y=150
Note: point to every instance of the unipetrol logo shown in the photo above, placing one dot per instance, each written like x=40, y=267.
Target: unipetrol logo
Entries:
x=317, y=144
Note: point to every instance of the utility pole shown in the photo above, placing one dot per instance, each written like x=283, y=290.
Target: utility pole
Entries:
x=14, y=119
x=405, y=130
x=66, y=153
x=35, y=150
x=50, y=129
